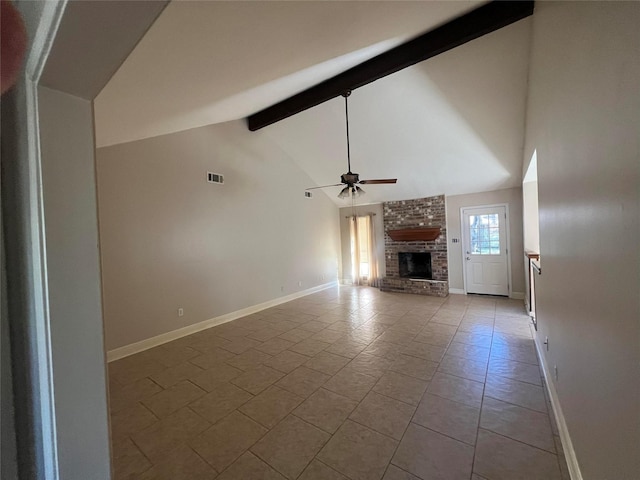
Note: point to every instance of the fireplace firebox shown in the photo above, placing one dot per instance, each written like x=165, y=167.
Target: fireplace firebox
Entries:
x=415, y=265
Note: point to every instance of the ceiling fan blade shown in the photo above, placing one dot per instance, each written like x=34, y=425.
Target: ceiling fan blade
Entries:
x=325, y=186
x=379, y=181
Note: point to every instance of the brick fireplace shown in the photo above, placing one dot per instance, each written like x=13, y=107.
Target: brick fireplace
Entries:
x=407, y=220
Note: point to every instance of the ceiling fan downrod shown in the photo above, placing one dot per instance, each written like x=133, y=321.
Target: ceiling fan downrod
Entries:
x=346, y=115
x=349, y=180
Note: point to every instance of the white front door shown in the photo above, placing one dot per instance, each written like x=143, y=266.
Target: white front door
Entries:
x=485, y=250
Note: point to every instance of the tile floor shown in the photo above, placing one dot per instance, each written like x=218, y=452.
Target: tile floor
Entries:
x=348, y=383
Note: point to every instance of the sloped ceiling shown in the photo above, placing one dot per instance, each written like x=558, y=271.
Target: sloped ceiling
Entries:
x=452, y=124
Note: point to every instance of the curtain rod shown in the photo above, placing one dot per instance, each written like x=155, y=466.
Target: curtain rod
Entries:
x=361, y=215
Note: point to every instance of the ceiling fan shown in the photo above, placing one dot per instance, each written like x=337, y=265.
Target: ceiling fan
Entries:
x=350, y=179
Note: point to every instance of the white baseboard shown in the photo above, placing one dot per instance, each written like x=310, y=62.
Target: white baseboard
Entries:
x=514, y=295
x=567, y=445
x=143, y=345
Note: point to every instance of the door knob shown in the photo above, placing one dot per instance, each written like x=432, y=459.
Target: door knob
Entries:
x=468, y=258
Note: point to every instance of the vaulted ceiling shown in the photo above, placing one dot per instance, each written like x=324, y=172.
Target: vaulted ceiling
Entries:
x=452, y=124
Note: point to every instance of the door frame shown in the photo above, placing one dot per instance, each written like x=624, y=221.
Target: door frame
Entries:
x=30, y=295
x=508, y=243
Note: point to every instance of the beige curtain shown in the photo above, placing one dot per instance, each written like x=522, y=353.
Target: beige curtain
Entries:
x=356, y=279
x=374, y=277
x=363, y=231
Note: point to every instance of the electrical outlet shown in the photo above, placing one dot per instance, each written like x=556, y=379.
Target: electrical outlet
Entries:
x=300, y=283
x=282, y=289
x=323, y=276
x=555, y=372
x=180, y=312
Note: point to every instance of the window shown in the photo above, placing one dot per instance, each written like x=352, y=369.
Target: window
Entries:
x=485, y=234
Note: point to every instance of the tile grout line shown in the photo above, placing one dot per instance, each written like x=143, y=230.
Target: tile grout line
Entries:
x=203, y=459
x=443, y=434
x=143, y=454
x=484, y=385
x=518, y=441
x=248, y=449
x=320, y=461
x=516, y=405
x=276, y=425
x=401, y=438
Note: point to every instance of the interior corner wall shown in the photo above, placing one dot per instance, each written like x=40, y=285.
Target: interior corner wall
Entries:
x=169, y=239
x=583, y=120
x=73, y=280
x=345, y=238
x=509, y=196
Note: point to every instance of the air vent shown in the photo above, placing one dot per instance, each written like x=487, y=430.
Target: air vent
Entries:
x=215, y=178
x=308, y=194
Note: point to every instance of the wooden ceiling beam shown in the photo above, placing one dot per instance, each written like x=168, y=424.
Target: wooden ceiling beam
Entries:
x=480, y=21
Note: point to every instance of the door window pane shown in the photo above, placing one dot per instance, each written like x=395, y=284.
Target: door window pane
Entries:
x=485, y=234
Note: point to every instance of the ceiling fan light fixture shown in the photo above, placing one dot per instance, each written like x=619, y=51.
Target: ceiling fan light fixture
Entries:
x=344, y=193
x=351, y=191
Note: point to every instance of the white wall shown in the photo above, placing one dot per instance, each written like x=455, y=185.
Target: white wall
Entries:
x=509, y=196
x=73, y=278
x=170, y=239
x=345, y=237
x=583, y=120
